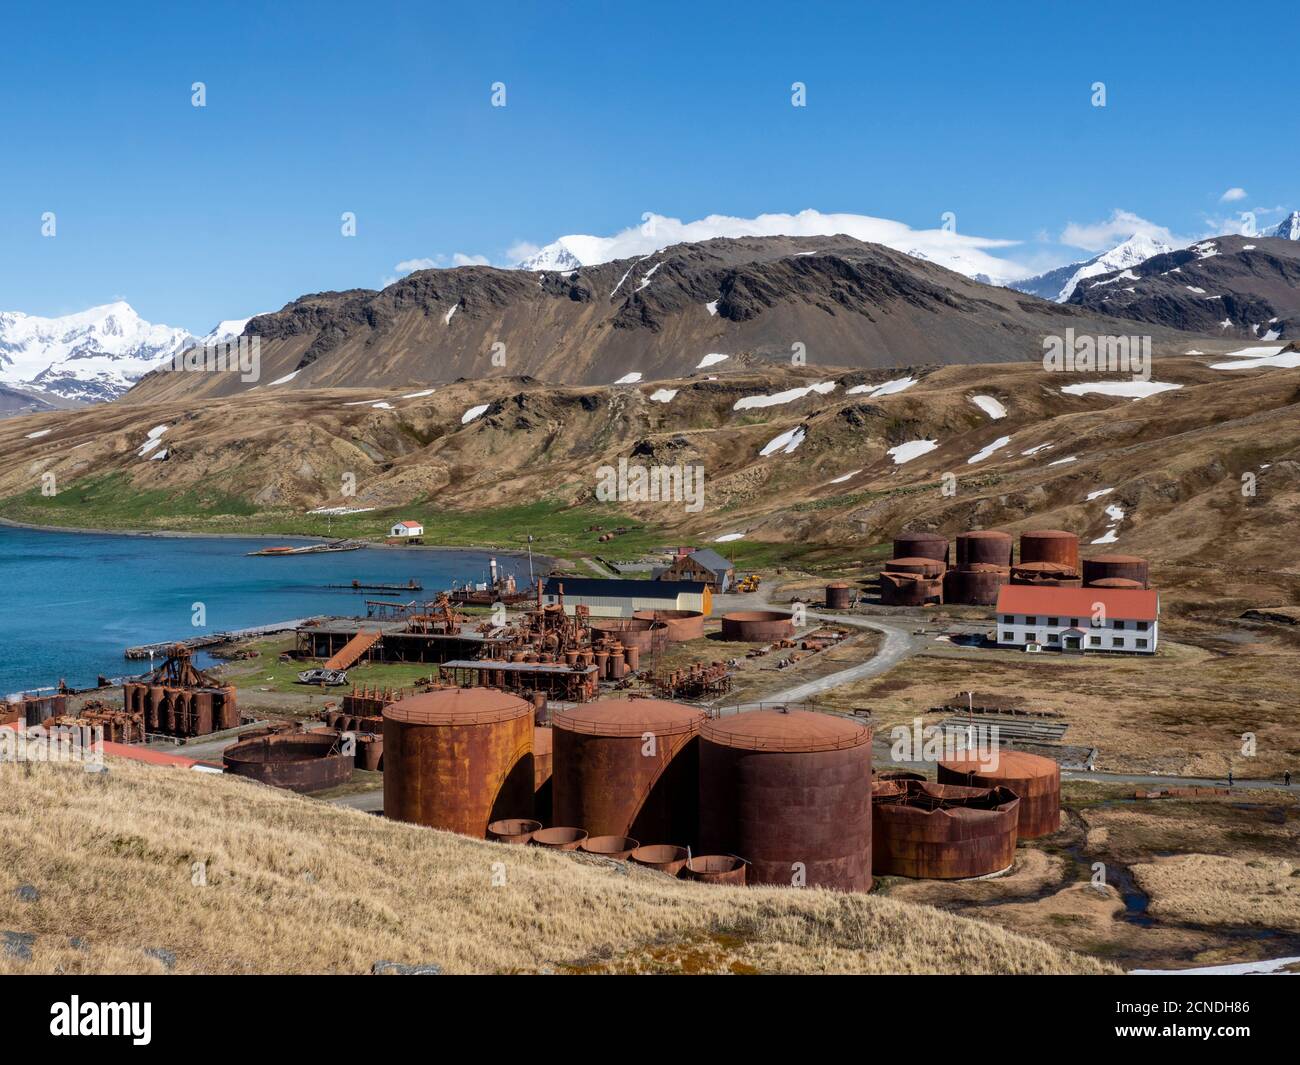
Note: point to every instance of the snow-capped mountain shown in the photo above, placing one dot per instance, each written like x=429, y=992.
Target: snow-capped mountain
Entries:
x=88, y=357
x=1287, y=229
x=966, y=254
x=1059, y=284
x=94, y=355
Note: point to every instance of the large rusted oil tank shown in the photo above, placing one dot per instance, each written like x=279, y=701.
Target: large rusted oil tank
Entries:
x=940, y=831
x=838, y=596
x=976, y=585
x=1116, y=567
x=1050, y=545
x=921, y=567
x=543, y=745
x=907, y=589
x=627, y=767
x=986, y=547
x=682, y=624
x=645, y=634
x=757, y=626
x=299, y=761
x=1047, y=574
x=921, y=545
x=1036, y=780
x=458, y=759
x=790, y=792
x=1117, y=582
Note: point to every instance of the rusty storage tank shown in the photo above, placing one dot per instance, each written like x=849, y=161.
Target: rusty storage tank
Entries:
x=986, y=547
x=619, y=848
x=513, y=830
x=976, y=585
x=907, y=589
x=645, y=634
x=838, y=595
x=782, y=787
x=1050, y=545
x=757, y=626
x=661, y=856
x=1117, y=582
x=941, y=831
x=1047, y=574
x=559, y=839
x=1116, y=567
x=1036, y=780
x=459, y=759
x=921, y=545
x=299, y=761
x=717, y=869
x=628, y=767
x=543, y=745
x=681, y=625
x=921, y=567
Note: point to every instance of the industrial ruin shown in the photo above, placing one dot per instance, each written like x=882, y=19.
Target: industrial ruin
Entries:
x=179, y=700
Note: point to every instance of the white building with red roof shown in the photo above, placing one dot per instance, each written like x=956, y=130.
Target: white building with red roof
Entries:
x=405, y=530
x=1078, y=619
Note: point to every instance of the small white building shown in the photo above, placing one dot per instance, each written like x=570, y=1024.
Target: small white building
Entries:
x=406, y=530
x=1079, y=619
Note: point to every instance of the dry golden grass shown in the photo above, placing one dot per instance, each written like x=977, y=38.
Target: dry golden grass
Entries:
x=295, y=885
x=1213, y=890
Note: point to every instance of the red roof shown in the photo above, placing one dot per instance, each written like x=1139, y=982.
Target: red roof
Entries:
x=1134, y=604
x=411, y=524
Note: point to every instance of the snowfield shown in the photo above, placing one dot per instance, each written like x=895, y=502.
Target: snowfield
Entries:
x=779, y=398
x=663, y=395
x=990, y=406
x=1128, y=389
x=787, y=443
x=989, y=449
x=889, y=388
x=473, y=413
x=712, y=359
x=913, y=449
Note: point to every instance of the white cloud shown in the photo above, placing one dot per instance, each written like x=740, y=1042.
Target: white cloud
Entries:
x=963, y=252
x=407, y=266
x=1233, y=195
x=438, y=262
x=1099, y=236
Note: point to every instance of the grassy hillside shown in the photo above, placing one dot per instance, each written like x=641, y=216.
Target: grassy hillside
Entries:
x=295, y=885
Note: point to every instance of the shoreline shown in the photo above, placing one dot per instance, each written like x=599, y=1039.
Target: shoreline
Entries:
x=539, y=560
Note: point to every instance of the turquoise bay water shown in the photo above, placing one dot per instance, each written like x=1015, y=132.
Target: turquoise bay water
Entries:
x=70, y=603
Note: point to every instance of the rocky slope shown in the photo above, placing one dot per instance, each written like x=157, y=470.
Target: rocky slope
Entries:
x=834, y=300
x=831, y=461
x=1245, y=287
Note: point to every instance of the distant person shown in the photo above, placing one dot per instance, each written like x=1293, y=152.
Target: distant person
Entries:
x=1229, y=778
x=1287, y=777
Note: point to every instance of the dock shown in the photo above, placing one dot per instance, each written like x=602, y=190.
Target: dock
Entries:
x=214, y=639
x=390, y=589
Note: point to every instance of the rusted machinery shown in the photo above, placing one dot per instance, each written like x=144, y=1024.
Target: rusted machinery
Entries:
x=909, y=589
x=1104, y=570
x=299, y=761
x=619, y=848
x=700, y=680
x=986, y=547
x=682, y=625
x=789, y=791
x=661, y=856
x=559, y=839
x=1050, y=545
x=1036, y=780
x=939, y=831
x=757, y=626
x=839, y=595
x=120, y=726
x=975, y=585
x=528, y=673
x=179, y=700
x=516, y=830
x=921, y=545
x=34, y=708
x=628, y=767
x=459, y=759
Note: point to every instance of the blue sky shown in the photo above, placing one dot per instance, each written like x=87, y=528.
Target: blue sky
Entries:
x=196, y=214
